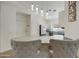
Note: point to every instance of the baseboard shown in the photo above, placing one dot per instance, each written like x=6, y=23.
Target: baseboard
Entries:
x=5, y=52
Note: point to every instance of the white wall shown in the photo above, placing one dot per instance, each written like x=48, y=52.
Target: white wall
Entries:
x=22, y=24
x=51, y=23
x=8, y=26
x=61, y=18
x=36, y=20
x=8, y=23
x=71, y=28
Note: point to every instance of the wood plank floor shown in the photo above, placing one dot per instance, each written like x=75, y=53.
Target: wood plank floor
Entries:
x=6, y=54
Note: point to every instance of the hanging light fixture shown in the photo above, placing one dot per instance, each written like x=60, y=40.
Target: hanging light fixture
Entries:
x=46, y=13
x=42, y=12
x=32, y=7
x=36, y=9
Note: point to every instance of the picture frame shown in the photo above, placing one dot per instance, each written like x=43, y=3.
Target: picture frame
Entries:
x=71, y=11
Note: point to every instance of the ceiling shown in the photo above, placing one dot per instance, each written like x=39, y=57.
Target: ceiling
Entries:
x=46, y=5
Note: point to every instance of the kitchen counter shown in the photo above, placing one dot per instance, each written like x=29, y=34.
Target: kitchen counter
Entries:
x=44, y=39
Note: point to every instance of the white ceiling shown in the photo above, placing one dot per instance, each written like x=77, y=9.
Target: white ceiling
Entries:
x=46, y=5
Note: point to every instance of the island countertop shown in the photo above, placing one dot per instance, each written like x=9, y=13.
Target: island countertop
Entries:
x=44, y=39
